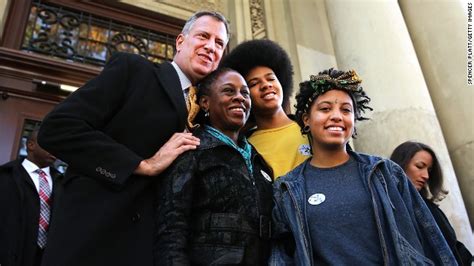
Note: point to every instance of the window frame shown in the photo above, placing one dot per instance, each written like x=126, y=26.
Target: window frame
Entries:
x=19, y=68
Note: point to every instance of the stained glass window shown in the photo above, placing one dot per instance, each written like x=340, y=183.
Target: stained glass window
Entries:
x=84, y=38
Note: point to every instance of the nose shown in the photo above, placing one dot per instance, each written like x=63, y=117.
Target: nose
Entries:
x=210, y=46
x=336, y=115
x=265, y=85
x=239, y=97
x=425, y=174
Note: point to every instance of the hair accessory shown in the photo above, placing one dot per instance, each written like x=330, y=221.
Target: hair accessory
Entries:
x=331, y=79
x=348, y=81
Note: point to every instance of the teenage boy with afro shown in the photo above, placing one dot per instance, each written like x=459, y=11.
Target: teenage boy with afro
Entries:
x=269, y=74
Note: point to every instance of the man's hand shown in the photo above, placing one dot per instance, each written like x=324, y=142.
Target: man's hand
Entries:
x=177, y=144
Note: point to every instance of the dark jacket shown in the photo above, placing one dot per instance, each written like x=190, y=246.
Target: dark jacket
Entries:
x=213, y=211
x=103, y=131
x=407, y=231
x=462, y=254
x=19, y=214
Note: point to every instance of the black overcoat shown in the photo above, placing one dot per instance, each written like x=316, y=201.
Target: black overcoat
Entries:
x=103, y=131
x=460, y=252
x=213, y=210
x=19, y=214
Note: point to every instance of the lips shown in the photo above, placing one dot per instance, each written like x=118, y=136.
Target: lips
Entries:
x=421, y=184
x=241, y=110
x=206, y=58
x=335, y=128
x=269, y=95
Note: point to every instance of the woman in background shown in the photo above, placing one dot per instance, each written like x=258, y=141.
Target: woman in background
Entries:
x=423, y=168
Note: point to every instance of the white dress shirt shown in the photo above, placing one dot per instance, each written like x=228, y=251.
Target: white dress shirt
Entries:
x=183, y=79
x=30, y=168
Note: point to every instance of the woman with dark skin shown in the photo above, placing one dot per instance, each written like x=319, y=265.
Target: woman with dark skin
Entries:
x=422, y=167
x=216, y=203
x=342, y=207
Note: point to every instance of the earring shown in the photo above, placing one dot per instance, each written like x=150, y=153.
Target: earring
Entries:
x=206, y=113
x=306, y=129
x=354, y=133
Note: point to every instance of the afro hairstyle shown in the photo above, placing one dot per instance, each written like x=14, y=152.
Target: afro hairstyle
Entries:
x=247, y=55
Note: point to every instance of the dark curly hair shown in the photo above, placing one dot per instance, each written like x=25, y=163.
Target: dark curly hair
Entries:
x=251, y=54
x=402, y=156
x=331, y=79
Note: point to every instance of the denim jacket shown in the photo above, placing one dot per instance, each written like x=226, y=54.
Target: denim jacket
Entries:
x=407, y=231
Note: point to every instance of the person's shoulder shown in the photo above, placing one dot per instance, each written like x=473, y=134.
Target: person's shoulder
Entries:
x=10, y=166
x=127, y=56
x=55, y=172
x=206, y=139
x=371, y=161
x=292, y=175
x=365, y=158
x=131, y=59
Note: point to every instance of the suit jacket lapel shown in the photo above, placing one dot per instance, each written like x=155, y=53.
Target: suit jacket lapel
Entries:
x=169, y=80
x=26, y=177
x=21, y=177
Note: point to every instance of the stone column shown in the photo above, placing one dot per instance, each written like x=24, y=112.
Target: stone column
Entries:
x=371, y=37
x=299, y=26
x=438, y=30
x=3, y=14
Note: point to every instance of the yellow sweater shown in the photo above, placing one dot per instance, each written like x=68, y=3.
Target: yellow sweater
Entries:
x=283, y=148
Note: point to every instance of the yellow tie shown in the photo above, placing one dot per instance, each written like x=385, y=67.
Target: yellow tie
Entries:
x=193, y=108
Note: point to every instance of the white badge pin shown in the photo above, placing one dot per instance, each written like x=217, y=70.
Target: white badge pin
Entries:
x=267, y=177
x=305, y=149
x=316, y=199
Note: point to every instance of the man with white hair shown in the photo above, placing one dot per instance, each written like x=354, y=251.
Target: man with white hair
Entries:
x=118, y=133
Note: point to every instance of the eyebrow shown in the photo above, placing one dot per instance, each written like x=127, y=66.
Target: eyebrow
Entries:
x=269, y=74
x=329, y=102
x=230, y=83
x=265, y=75
x=208, y=34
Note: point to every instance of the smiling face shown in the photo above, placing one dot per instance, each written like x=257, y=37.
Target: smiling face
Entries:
x=418, y=168
x=331, y=120
x=265, y=90
x=200, y=51
x=228, y=103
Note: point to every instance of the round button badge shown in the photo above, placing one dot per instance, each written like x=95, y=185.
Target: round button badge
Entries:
x=266, y=176
x=316, y=199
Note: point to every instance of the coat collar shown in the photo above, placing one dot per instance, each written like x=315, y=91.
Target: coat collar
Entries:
x=207, y=140
x=169, y=80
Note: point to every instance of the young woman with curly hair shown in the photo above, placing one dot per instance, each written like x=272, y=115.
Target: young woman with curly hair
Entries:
x=342, y=207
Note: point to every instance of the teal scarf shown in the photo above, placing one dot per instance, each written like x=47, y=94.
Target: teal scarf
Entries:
x=245, y=151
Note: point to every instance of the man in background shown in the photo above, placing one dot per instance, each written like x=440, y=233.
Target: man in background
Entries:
x=25, y=204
